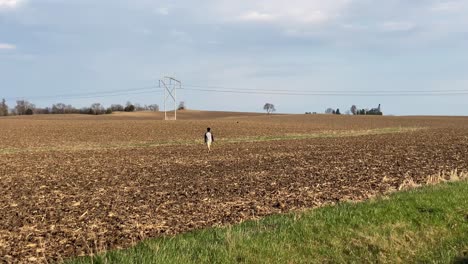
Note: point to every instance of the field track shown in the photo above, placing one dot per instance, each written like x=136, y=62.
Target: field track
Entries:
x=63, y=195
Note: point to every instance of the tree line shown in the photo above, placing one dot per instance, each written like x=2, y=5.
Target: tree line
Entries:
x=354, y=110
x=24, y=107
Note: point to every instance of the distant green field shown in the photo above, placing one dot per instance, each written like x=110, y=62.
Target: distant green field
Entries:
x=427, y=225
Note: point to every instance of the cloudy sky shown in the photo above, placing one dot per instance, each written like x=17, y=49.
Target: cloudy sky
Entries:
x=72, y=51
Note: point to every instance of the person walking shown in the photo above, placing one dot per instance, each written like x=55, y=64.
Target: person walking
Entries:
x=209, y=138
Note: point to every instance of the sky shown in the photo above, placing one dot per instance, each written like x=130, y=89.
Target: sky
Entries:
x=72, y=51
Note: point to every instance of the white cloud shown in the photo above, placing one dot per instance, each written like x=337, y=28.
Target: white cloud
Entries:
x=6, y=46
x=4, y=4
x=449, y=6
x=181, y=36
x=316, y=17
x=354, y=27
x=143, y=31
x=282, y=13
x=397, y=26
x=257, y=16
x=164, y=11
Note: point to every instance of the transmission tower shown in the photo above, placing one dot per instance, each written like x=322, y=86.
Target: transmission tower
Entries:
x=170, y=86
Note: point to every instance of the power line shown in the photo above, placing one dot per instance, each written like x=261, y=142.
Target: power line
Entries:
x=239, y=90
x=323, y=91
x=333, y=93
x=109, y=95
x=94, y=94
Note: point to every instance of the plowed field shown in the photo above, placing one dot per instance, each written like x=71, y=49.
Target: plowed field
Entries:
x=72, y=185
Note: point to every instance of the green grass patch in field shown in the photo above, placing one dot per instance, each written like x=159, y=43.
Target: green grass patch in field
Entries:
x=427, y=225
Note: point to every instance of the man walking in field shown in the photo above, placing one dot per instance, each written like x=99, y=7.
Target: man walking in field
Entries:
x=209, y=138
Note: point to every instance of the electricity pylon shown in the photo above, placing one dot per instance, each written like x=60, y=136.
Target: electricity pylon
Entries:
x=170, y=86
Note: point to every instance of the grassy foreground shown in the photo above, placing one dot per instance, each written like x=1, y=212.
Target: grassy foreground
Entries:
x=427, y=225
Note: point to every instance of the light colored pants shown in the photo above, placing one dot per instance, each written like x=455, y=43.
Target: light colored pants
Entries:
x=208, y=144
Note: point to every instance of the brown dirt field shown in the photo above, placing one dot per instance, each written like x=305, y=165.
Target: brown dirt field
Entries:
x=61, y=199
x=82, y=131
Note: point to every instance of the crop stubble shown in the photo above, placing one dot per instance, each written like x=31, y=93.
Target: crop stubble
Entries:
x=59, y=204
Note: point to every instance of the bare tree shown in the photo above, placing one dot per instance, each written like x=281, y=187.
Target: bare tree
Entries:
x=43, y=111
x=269, y=108
x=3, y=108
x=69, y=109
x=354, y=110
x=58, y=108
x=22, y=107
x=117, y=107
x=138, y=107
x=153, y=107
x=97, y=109
x=329, y=111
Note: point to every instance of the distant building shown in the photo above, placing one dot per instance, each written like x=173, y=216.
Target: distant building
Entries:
x=375, y=111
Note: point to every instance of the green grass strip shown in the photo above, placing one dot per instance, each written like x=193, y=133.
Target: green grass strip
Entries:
x=427, y=225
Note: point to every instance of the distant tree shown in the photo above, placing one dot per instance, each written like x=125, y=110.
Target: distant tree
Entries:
x=373, y=111
x=354, y=110
x=329, y=111
x=117, y=108
x=269, y=108
x=182, y=106
x=97, y=109
x=22, y=106
x=108, y=111
x=58, y=108
x=86, y=111
x=42, y=111
x=46, y=111
x=337, y=112
x=3, y=108
x=129, y=108
x=140, y=108
x=29, y=111
x=69, y=109
x=153, y=107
